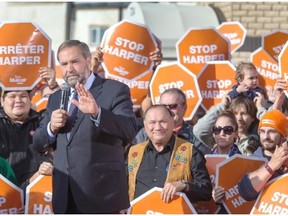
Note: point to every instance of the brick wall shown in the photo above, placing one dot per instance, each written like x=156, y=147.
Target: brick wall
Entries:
x=258, y=18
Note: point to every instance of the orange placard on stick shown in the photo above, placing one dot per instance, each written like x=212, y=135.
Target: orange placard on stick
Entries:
x=267, y=68
x=138, y=88
x=41, y=104
x=215, y=80
x=199, y=46
x=273, y=199
x=151, y=203
x=273, y=43
x=175, y=75
x=283, y=66
x=210, y=207
x=36, y=97
x=21, y=55
x=235, y=33
x=126, y=48
x=239, y=165
x=11, y=197
x=211, y=162
x=59, y=77
x=39, y=196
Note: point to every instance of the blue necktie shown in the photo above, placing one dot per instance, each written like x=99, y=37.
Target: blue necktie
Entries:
x=72, y=114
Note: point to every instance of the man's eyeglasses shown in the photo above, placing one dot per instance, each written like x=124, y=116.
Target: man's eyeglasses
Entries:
x=228, y=130
x=173, y=106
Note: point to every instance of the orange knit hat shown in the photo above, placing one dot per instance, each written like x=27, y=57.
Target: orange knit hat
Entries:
x=276, y=120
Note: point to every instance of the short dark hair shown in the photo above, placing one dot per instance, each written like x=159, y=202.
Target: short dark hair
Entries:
x=158, y=106
x=75, y=43
x=4, y=93
x=176, y=91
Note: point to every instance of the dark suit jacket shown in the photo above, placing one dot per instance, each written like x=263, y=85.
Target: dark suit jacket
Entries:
x=92, y=161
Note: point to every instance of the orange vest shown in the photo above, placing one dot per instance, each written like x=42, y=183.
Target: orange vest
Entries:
x=179, y=166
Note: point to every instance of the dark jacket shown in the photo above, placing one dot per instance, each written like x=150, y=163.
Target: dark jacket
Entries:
x=91, y=163
x=250, y=93
x=16, y=146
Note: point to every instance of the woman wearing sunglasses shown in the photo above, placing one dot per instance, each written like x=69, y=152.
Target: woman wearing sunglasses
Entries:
x=225, y=133
x=244, y=111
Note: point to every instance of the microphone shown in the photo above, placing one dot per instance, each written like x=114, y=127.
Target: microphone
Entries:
x=65, y=88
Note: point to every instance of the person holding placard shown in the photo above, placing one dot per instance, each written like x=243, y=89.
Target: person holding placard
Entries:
x=225, y=133
x=273, y=131
x=166, y=161
x=18, y=121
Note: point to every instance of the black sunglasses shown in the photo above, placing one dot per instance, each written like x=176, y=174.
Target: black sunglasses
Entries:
x=173, y=106
x=228, y=130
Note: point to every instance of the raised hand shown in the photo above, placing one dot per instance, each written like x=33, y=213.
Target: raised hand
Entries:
x=87, y=104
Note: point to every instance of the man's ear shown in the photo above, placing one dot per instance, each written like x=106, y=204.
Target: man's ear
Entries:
x=88, y=59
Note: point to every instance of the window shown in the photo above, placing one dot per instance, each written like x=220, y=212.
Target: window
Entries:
x=96, y=34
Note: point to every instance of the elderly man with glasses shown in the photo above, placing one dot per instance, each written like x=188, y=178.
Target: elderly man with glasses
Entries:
x=175, y=100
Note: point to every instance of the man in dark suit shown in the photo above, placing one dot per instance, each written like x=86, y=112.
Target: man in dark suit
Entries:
x=89, y=169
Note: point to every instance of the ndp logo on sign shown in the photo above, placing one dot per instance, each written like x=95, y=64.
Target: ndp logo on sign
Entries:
x=126, y=47
x=21, y=55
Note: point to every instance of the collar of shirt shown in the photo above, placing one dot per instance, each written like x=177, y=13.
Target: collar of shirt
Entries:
x=169, y=145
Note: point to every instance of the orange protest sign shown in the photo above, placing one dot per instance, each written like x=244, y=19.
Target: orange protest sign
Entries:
x=39, y=196
x=41, y=104
x=175, y=75
x=21, y=55
x=210, y=207
x=214, y=84
x=151, y=203
x=126, y=48
x=267, y=68
x=59, y=77
x=11, y=197
x=273, y=43
x=273, y=199
x=138, y=88
x=38, y=102
x=234, y=32
x=239, y=165
x=211, y=161
x=199, y=46
x=283, y=67
x=36, y=97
